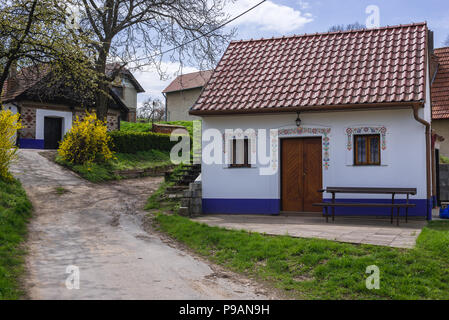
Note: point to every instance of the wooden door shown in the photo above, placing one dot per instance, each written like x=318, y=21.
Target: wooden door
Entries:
x=301, y=174
x=52, y=132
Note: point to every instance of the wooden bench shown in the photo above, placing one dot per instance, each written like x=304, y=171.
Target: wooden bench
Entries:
x=392, y=205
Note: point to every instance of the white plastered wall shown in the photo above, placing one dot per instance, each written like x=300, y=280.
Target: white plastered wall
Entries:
x=404, y=164
x=40, y=120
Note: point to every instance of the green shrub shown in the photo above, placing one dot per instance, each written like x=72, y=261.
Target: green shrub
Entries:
x=15, y=210
x=9, y=124
x=133, y=142
x=444, y=159
x=86, y=142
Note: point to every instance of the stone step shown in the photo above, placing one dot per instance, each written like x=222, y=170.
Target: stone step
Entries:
x=175, y=196
x=176, y=189
x=183, y=211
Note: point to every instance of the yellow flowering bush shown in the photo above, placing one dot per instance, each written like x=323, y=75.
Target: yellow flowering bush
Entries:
x=9, y=124
x=87, y=142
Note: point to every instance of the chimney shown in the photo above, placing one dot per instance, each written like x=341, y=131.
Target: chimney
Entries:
x=433, y=62
x=431, y=41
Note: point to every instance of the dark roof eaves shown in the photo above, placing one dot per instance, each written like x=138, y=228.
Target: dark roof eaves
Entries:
x=184, y=89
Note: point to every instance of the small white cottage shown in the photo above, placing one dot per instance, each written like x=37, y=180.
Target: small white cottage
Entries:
x=297, y=114
x=48, y=106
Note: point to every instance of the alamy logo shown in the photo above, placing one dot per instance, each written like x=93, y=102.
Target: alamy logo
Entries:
x=373, y=280
x=73, y=280
x=255, y=148
x=373, y=19
x=73, y=18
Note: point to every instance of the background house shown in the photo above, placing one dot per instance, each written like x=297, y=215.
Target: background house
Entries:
x=126, y=87
x=48, y=108
x=365, y=113
x=440, y=99
x=182, y=94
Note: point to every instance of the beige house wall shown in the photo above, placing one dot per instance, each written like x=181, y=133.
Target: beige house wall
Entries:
x=441, y=127
x=130, y=96
x=179, y=103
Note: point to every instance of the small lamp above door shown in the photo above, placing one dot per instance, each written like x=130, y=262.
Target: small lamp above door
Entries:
x=298, y=120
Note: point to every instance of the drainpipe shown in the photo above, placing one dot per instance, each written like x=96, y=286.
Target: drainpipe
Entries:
x=428, y=158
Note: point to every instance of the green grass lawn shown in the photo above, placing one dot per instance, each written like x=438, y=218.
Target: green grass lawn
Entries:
x=15, y=209
x=134, y=126
x=323, y=269
x=146, y=127
x=124, y=161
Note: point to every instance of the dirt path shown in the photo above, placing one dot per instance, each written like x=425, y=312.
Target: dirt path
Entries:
x=98, y=228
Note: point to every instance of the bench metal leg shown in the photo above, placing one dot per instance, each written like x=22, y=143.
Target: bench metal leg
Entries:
x=397, y=220
x=327, y=214
x=392, y=209
x=333, y=208
x=406, y=209
x=406, y=215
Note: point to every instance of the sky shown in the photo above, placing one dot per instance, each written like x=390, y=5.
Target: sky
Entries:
x=288, y=17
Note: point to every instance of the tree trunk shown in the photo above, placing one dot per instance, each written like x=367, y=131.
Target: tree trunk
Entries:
x=101, y=101
x=4, y=76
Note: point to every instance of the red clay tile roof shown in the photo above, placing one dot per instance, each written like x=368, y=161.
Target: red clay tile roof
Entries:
x=189, y=81
x=385, y=65
x=28, y=77
x=24, y=80
x=440, y=86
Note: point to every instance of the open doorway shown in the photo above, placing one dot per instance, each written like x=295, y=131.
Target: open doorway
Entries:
x=52, y=132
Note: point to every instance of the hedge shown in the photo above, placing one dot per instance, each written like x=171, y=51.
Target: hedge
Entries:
x=133, y=142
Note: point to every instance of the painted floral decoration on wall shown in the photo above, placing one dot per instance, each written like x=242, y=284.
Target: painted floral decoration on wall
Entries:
x=367, y=130
x=324, y=132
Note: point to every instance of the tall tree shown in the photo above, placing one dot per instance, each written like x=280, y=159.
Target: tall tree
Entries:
x=348, y=27
x=35, y=33
x=152, y=110
x=136, y=33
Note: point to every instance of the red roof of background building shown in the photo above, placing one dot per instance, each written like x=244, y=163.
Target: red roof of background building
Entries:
x=24, y=79
x=385, y=65
x=189, y=81
x=440, y=86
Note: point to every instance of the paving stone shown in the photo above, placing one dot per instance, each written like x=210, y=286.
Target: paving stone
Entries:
x=375, y=231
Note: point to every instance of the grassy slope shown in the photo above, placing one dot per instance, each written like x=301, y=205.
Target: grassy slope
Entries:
x=145, y=127
x=15, y=209
x=104, y=172
x=134, y=127
x=322, y=269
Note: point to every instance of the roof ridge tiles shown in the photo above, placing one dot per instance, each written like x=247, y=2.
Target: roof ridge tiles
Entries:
x=367, y=30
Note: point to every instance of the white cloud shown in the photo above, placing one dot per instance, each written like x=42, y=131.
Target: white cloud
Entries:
x=151, y=81
x=269, y=16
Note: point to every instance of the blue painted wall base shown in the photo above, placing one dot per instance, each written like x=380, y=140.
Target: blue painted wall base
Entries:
x=421, y=209
x=31, y=144
x=241, y=206
x=273, y=207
